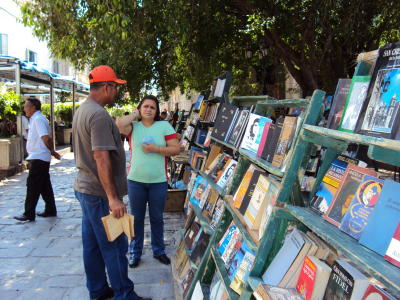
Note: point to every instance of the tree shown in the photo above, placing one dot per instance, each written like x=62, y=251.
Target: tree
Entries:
x=186, y=42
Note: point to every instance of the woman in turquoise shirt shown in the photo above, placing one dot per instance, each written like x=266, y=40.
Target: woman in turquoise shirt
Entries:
x=152, y=141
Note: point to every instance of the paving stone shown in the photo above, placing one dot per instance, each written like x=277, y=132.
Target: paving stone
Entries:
x=43, y=259
x=42, y=293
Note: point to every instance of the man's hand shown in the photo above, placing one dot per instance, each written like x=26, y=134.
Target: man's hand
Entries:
x=56, y=155
x=150, y=148
x=117, y=207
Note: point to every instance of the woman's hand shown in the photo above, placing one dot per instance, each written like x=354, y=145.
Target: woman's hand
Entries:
x=150, y=148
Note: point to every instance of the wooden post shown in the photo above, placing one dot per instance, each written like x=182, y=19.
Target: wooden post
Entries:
x=19, y=117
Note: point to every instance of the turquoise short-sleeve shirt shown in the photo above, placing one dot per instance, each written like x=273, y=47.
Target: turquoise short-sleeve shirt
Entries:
x=149, y=167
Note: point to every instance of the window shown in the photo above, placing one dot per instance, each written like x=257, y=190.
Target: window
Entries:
x=31, y=56
x=3, y=44
x=56, y=67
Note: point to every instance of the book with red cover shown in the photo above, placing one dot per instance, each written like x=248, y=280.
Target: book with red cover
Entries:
x=305, y=283
x=352, y=178
x=393, y=252
x=374, y=292
x=263, y=139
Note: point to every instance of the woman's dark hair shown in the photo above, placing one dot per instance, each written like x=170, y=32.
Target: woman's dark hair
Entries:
x=154, y=98
x=252, y=126
x=35, y=102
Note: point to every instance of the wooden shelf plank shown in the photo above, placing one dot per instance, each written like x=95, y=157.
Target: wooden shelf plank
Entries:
x=220, y=266
x=224, y=144
x=203, y=221
x=352, y=137
x=284, y=103
x=240, y=223
x=364, y=258
x=254, y=282
x=262, y=163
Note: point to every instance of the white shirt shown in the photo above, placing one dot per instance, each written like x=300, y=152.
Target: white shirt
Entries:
x=38, y=127
x=25, y=127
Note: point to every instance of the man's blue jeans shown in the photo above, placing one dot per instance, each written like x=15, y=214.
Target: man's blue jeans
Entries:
x=99, y=253
x=155, y=195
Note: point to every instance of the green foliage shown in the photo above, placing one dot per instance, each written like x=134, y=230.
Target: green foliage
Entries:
x=118, y=111
x=166, y=43
x=10, y=106
x=62, y=112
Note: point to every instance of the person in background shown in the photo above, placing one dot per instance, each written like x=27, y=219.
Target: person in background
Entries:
x=100, y=186
x=40, y=149
x=152, y=142
x=163, y=116
x=25, y=130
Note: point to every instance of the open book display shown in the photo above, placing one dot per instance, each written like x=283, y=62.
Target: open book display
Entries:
x=114, y=227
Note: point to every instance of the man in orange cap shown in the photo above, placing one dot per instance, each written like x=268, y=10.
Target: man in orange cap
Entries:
x=99, y=187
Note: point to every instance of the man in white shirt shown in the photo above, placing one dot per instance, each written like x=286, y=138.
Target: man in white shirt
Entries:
x=40, y=149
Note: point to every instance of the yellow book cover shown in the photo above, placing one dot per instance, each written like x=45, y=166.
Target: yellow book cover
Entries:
x=242, y=189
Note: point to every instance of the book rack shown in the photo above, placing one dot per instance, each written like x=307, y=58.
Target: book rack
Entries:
x=264, y=105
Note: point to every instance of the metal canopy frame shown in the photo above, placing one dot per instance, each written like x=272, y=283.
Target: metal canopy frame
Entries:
x=26, y=74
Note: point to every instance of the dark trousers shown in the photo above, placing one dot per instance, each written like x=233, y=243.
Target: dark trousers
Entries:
x=38, y=183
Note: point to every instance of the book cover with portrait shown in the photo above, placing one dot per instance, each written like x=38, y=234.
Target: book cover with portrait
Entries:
x=356, y=218
x=252, y=136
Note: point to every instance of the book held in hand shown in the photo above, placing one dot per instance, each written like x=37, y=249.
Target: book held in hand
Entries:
x=114, y=227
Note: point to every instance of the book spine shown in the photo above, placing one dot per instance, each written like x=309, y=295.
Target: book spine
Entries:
x=263, y=139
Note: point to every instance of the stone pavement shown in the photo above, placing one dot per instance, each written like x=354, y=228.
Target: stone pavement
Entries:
x=43, y=259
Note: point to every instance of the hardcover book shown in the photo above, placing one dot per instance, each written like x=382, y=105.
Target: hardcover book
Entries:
x=229, y=233
x=330, y=184
x=252, y=136
x=240, y=125
x=345, y=282
x=363, y=204
x=354, y=102
x=335, y=115
x=393, y=252
x=285, y=140
x=345, y=193
x=384, y=220
x=234, y=265
x=380, y=112
x=225, y=117
x=192, y=234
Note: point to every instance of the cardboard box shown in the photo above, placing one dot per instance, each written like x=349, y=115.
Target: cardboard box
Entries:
x=175, y=200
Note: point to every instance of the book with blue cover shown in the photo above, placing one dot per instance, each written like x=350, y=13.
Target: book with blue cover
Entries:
x=363, y=204
x=223, y=243
x=384, y=219
x=199, y=187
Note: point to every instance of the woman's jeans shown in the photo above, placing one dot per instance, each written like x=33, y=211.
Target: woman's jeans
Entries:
x=153, y=194
x=99, y=253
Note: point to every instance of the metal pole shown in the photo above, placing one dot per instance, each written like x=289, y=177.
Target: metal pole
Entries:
x=19, y=118
x=73, y=98
x=52, y=129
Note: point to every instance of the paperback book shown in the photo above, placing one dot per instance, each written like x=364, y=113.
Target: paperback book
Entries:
x=238, y=129
x=226, y=117
x=361, y=207
x=335, y=115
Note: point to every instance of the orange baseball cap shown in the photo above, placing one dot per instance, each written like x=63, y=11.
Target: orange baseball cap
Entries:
x=104, y=73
